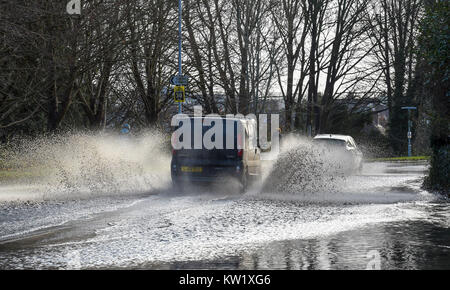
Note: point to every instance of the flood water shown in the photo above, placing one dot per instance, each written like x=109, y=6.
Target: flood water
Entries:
x=398, y=245
x=378, y=219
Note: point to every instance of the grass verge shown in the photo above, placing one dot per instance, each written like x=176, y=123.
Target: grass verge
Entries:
x=403, y=158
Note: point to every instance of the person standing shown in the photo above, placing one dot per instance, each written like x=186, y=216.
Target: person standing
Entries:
x=126, y=128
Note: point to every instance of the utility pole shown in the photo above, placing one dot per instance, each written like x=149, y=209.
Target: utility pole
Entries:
x=409, y=127
x=180, y=73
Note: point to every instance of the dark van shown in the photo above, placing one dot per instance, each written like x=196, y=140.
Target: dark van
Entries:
x=238, y=158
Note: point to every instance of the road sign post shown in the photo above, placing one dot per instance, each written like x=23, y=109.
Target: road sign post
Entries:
x=409, y=135
x=180, y=73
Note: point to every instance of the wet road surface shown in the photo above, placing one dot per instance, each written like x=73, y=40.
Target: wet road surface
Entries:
x=379, y=219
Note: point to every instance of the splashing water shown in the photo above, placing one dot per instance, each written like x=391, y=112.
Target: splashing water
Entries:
x=86, y=164
x=302, y=167
x=71, y=166
x=305, y=173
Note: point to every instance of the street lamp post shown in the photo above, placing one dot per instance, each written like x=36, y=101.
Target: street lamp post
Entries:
x=409, y=127
x=180, y=73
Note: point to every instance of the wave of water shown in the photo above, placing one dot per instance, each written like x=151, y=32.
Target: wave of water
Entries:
x=302, y=167
x=88, y=164
x=304, y=172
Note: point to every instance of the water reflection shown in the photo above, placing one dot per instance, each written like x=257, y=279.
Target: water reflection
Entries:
x=414, y=244
x=402, y=245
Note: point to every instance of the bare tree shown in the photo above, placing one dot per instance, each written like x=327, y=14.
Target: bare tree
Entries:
x=293, y=26
x=347, y=50
x=101, y=45
x=151, y=53
x=201, y=42
x=113, y=62
x=394, y=28
x=316, y=14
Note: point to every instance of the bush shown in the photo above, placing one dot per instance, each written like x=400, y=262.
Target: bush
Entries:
x=438, y=178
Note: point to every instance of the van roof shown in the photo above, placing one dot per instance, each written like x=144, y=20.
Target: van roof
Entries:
x=222, y=117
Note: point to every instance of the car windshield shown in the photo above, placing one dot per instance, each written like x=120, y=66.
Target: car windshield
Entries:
x=336, y=143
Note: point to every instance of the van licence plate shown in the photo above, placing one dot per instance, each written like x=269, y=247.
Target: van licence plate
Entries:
x=191, y=169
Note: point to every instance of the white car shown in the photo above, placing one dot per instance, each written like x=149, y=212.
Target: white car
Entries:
x=352, y=157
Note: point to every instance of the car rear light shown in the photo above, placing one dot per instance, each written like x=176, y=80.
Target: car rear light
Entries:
x=239, y=144
x=174, y=143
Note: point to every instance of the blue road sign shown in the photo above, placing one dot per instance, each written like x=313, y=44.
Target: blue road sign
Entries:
x=179, y=80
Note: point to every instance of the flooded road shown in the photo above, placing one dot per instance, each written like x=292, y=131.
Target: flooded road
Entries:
x=379, y=219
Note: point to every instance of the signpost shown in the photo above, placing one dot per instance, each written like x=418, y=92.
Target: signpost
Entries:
x=180, y=73
x=409, y=135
